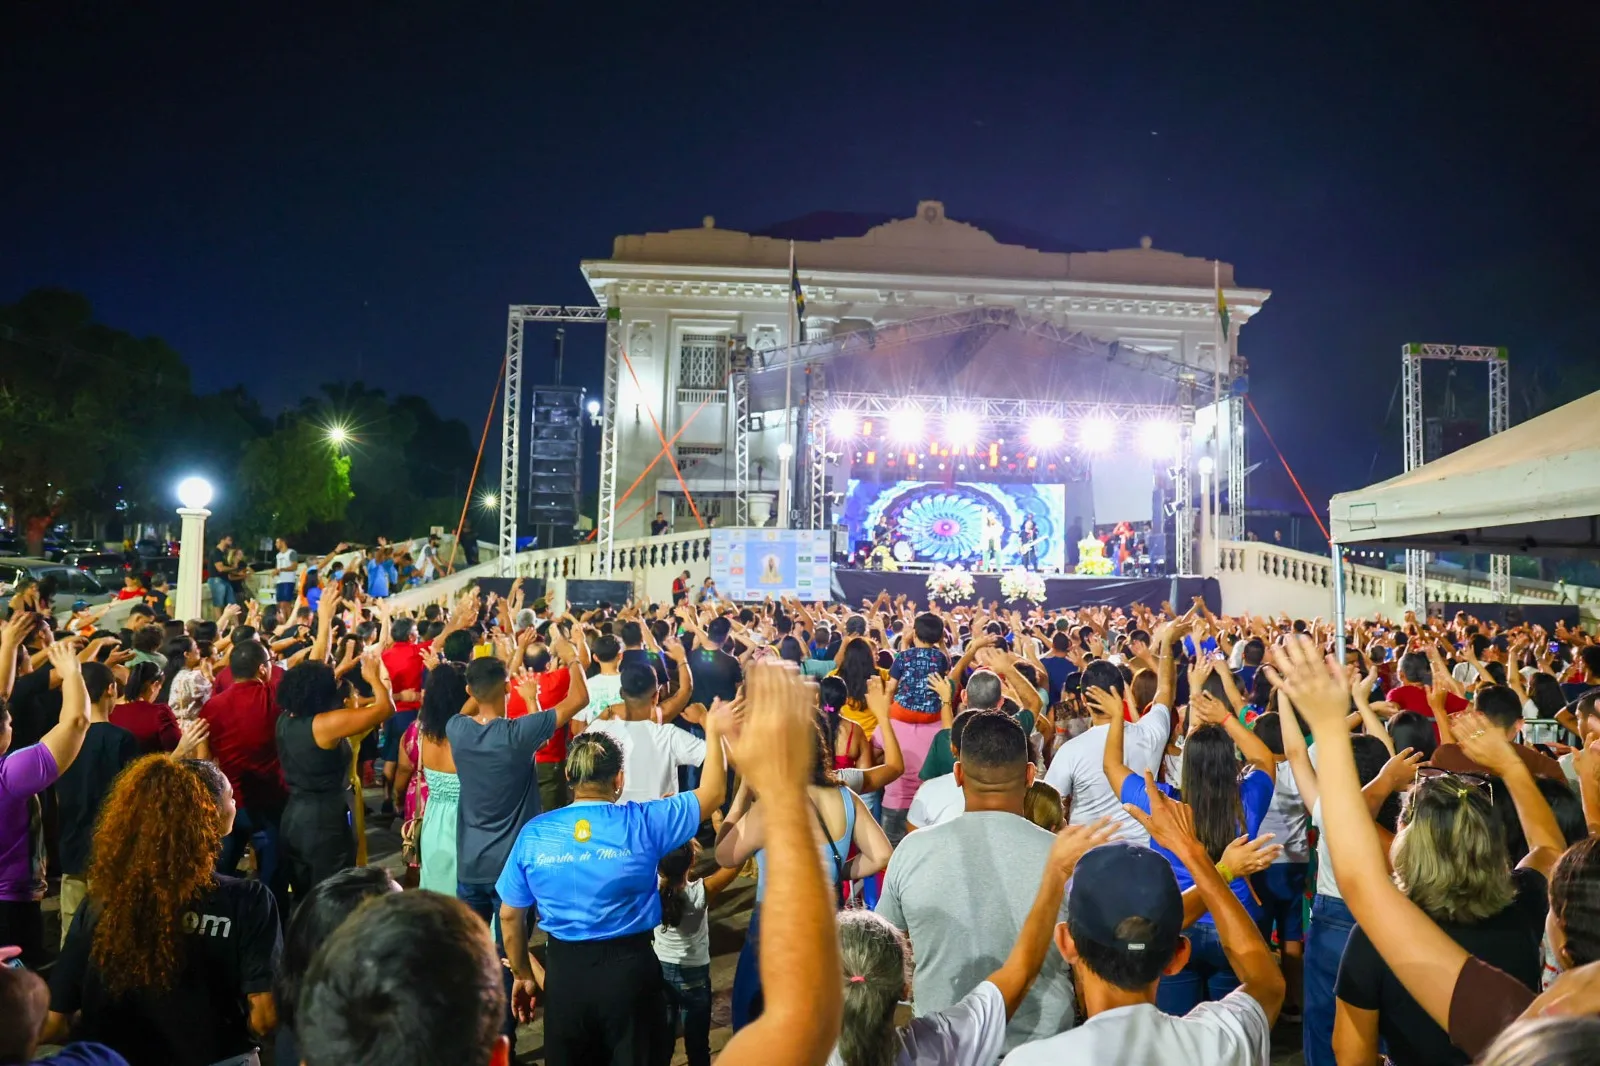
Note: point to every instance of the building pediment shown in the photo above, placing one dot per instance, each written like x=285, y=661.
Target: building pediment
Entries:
x=927, y=244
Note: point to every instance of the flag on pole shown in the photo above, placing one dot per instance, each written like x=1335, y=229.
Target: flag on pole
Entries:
x=1222, y=301
x=794, y=284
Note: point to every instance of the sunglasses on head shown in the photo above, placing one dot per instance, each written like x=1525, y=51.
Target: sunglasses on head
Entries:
x=1481, y=782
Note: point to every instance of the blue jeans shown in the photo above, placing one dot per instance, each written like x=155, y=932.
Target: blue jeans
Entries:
x=747, y=1001
x=689, y=1008
x=221, y=592
x=484, y=901
x=1331, y=923
x=261, y=829
x=1206, y=976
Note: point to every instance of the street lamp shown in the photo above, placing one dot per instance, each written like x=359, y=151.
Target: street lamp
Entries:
x=489, y=501
x=338, y=435
x=194, y=494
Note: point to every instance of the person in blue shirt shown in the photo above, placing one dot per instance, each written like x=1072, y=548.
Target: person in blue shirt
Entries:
x=1226, y=804
x=590, y=868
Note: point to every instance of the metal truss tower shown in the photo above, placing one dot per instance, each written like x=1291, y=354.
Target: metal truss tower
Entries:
x=1182, y=489
x=1411, y=360
x=1237, y=459
x=511, y=412
x=817, y=452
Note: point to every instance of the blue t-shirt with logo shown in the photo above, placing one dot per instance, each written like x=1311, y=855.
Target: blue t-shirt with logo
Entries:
x=912, y=668
x=591, y=866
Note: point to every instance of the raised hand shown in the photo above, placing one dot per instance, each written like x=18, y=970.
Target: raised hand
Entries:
x=775, y=749
x=1316, y=684
x=1169, y=823
x=1485, y=743
x=1075, y=841
x=1401, y=769
x=194, y=733
x=1107, y=703
x=1244, y=856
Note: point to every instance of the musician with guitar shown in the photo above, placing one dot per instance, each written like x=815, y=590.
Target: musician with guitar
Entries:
x=1028, y=535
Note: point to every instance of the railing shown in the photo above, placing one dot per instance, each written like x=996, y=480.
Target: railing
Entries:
x=1267, y=578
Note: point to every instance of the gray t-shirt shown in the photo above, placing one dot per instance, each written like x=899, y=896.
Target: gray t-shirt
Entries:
x=499, y=788
x=960, y=890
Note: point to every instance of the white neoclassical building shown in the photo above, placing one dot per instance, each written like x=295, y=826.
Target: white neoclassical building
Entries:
x=682, y=294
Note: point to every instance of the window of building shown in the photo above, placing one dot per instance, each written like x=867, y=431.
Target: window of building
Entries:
x=703, y=361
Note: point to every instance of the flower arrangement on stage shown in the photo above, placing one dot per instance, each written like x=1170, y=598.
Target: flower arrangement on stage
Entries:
x=1092, y=558
x=950, y=585
x=1019, y=584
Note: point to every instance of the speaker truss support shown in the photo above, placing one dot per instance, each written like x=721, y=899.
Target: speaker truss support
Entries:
x=606, y=520
x=510, y=444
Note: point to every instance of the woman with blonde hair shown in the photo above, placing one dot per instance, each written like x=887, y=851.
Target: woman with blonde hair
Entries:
x=1450, y=859
x=1042, y=805
x=167, y=962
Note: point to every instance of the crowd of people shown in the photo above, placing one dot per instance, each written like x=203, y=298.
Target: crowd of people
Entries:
x=975, y=834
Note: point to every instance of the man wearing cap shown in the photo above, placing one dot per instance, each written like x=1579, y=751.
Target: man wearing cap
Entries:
x=1124, y=931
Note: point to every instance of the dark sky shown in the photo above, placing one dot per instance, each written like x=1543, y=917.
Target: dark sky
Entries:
x=356, y=191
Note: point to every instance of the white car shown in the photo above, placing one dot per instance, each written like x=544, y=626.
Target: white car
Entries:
x=72, y=585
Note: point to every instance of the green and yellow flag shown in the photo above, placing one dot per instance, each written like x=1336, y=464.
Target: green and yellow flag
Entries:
x=1222, y=304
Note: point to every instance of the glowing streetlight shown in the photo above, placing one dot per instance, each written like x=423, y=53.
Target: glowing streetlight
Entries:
x=593, y=407
x=194, y=493
x=338, y=435
x=489, y=501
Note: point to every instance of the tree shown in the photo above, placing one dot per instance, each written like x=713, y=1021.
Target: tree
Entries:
x=289, y=479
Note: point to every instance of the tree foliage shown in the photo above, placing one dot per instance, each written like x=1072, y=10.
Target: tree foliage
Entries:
x=97, y=425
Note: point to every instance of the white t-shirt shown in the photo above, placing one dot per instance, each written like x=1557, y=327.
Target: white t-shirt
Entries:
x=1326, y=885
x=1231, y=1031
x=1078, y=770
x=1286, y=817
x=969, y=1033
x=604, y=690
x=651, y=755
x=287, y=561
x=689, y=942
x=938, y=800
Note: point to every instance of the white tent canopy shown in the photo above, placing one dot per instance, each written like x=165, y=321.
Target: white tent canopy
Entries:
x=1531, y=490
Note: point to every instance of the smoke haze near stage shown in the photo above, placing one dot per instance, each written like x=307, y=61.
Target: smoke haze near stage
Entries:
x=943, y=522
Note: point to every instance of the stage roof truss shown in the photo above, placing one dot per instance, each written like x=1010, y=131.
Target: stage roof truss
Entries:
x=996, y=411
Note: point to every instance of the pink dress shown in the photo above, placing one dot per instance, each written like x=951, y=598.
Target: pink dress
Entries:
x=418, y=788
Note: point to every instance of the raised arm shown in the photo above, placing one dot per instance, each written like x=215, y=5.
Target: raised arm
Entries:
x=327, y=607
x=1424, y=958
x=12, y=633
x=713, y=772
x=65, y=738
x=800, y=974
x=894, y=763
x=674, y=704
x=330, y=727
x=1487, y=745
x=1294, y=747
x=1110, y=704
x=577, y=697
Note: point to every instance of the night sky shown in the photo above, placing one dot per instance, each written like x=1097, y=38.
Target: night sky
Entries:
x=357, y=192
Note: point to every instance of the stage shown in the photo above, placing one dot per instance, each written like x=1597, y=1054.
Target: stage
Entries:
x=1061, y=592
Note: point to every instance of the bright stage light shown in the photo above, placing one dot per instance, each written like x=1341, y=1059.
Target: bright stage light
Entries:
x=842, y=424
x=489, y=501
x=1160, y=439
x=907, y=425
x=1096, y=434
x=785, y=450
x=337, y=435
x=194, y=493
x=1206, y=465
x=961, y=434
x=1045, y=432
x=593, y=407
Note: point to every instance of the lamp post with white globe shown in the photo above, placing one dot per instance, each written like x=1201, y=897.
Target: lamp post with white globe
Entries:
x=194, y=493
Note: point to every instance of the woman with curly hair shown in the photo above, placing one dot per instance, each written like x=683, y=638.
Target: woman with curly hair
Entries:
x=167, y=962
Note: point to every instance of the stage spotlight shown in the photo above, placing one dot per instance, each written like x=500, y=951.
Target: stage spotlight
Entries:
x=1097, y=433
x=842, y=424
x=1206, y=465
x=1159, y=438
x=1045, y=432
x=907, y=425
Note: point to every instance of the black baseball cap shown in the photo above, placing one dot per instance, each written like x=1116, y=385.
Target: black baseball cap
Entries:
x=1121, y=880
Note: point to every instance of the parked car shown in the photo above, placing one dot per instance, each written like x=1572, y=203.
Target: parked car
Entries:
x=10, y=546
x=108, y=567
x=72, y=585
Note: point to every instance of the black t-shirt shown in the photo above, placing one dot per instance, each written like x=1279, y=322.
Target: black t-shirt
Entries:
x=35, y=707
x=219, y=562
x=658, y=663
x=106, y=750
x=716, y=675
x=1508, y=941
x=231, y=946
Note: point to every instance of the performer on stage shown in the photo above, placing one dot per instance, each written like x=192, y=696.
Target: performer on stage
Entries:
x=993, y=534
x=1029, y=543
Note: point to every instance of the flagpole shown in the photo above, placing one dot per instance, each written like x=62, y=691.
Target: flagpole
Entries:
x=786, y=450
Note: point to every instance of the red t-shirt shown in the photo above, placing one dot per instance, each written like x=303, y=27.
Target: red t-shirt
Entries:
x=1415, y=698
x=153, y=725
x=404, y=663
x=553, y=688
x=244, y=743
